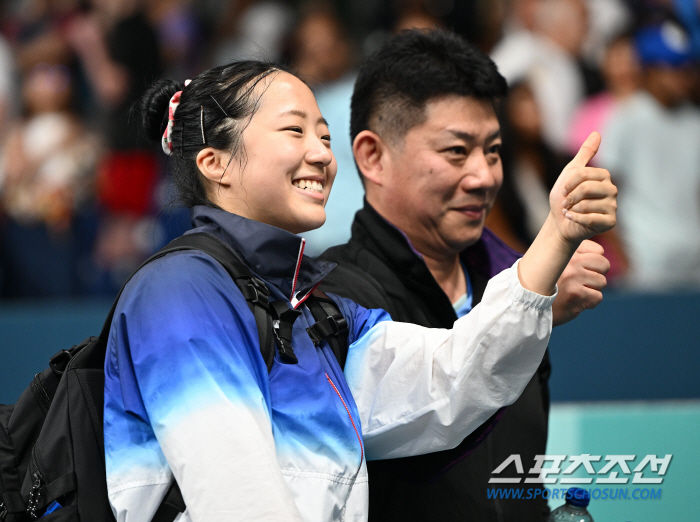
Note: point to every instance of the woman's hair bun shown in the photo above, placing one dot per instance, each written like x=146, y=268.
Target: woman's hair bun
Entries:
x=154, y=107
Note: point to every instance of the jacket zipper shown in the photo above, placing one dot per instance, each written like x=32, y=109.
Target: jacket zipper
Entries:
x=359, y=439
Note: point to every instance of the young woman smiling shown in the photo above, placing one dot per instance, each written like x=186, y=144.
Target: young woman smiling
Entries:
x=188, y=396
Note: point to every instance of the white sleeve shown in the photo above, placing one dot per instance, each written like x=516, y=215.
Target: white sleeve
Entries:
x=420, y=390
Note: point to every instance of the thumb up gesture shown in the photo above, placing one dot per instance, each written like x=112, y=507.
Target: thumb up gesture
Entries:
x=583, y=201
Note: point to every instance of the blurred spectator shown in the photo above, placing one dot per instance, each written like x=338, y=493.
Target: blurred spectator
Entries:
x=321, y=50
x=651, y=148
x=179, y=35
x=416, y=17
x=530, y=168
x=607, y=20
x=688, y=11
x=38, y=32
x=492, y=18
x=520, y=18
x=622, y=75
x=259, y=31
x=118, y=49
x=46, y=179
x=7, y=88
x=543, y=49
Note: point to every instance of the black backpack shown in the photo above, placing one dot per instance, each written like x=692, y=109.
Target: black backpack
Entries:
x=52, y=441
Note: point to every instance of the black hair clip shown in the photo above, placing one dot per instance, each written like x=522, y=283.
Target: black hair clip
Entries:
x=218, y=105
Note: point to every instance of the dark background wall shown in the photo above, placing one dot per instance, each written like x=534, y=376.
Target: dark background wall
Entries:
x=632, y=347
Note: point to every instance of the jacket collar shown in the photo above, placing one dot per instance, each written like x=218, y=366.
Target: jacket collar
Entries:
x=487, y=257
x=273, y=254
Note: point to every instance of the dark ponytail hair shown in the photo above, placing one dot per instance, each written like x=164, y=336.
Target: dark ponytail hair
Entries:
x=214, y=110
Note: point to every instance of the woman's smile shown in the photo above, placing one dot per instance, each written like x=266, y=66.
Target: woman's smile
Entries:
x=311, y=187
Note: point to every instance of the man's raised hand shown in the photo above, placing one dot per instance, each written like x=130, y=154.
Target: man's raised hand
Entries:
x=583, y=201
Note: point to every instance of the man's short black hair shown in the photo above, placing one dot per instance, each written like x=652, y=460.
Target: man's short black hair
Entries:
x=411, y=68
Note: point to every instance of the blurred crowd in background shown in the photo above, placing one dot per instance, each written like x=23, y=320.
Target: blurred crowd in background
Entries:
x=84, y=198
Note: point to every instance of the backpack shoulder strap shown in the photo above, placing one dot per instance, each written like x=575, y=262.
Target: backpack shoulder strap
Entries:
x=330, y=325
x=253, y=289
x=171, y=506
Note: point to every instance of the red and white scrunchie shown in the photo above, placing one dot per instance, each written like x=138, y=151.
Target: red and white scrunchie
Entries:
x=167, y=141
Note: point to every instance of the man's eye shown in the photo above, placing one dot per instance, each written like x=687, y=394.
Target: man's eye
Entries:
x=457, y=150
x=495, y=149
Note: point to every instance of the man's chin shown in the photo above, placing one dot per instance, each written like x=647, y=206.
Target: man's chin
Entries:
x=467, y=239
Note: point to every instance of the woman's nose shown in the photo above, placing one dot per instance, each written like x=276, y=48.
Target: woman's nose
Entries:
x=319, y=153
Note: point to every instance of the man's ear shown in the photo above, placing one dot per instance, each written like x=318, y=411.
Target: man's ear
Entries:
x=212, y=164
x=371, y=155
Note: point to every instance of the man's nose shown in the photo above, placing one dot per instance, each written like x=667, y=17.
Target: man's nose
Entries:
x=478, y=174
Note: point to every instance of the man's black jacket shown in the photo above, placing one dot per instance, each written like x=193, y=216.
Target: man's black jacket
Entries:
x=378, y=268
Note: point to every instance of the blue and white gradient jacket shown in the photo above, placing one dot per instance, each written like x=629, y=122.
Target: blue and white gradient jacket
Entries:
x=187, y=393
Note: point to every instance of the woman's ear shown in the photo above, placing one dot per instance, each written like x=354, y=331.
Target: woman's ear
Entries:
x=371, y=154
x=212, y=163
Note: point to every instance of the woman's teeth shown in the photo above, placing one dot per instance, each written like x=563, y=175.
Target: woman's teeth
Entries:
x=306, y=184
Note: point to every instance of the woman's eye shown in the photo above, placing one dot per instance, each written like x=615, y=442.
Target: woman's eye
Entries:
x=295, y=129
x=326, y=137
